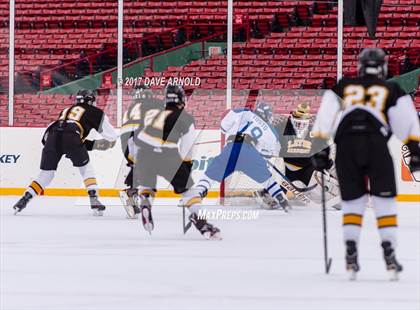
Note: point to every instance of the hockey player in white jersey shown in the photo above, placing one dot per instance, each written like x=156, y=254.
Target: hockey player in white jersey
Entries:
x=372, y=109
x=250, y=141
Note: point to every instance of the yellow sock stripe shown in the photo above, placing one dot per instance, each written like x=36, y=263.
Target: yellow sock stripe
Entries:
x=387, y=221
x=352, y=219
x=90, y=182
x=36, y=187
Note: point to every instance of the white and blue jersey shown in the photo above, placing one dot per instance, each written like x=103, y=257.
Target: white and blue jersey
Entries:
x=246, y=122
x=245, y=155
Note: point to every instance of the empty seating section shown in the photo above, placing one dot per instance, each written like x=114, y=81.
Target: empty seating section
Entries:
x=67, y=27
x=300, y=53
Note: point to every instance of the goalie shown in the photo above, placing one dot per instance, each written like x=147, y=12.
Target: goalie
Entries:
x=296, y=149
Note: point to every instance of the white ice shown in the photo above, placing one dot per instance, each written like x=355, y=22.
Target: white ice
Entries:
x=56, y=255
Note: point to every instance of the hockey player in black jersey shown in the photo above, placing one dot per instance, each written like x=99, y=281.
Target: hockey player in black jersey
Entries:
x=143, y=99
x=371, y=110
x=67, y=136
x=165, y=141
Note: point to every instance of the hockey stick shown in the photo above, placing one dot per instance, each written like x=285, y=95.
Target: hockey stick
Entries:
x=299, y=189
x=286, y=183
x=185, y=226
x=327, y=260
x=290, y=187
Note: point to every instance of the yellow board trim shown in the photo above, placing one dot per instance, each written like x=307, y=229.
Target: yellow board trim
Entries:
x=408, y=197
x=106, y=192
x=166, y=193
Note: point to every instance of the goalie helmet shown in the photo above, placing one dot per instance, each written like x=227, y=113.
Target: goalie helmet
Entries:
x=174, y=94
x=300, y=119
x=141, y=92
x=372, y=61
x=265, y=111
x=86, y=96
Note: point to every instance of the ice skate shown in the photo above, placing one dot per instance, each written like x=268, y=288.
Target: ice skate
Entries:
x=209, y=231
x=128, y=199
x=146, y=212
x=265, y=200
x=96, y=206
x=392, y=265
x=283, y=202
x=23, y=201
x=352, y=264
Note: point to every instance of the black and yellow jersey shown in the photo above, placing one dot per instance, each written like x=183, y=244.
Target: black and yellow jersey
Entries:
x=132, y=116
x=169, y=127
x=296, y=151
x=82, y=118
x=365, y=105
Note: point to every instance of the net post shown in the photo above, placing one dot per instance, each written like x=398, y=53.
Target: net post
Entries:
x=120, y=61
x=340, y=26
x=11, y=60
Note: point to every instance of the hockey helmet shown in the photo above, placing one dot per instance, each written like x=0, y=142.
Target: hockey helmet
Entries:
x=372, y=61
x=300, y=119
x=265, y=111
x=174, y=94
x=141, y=92
x=86, y=96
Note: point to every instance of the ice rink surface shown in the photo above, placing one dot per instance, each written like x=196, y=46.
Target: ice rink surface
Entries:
x=56, y=255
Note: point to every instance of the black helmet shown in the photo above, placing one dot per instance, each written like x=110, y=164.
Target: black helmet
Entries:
x=174, y=94
x=372, y=61
x=86, y=96
x=141, y=92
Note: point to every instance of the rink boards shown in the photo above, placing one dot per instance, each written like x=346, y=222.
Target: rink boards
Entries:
x=20, y=154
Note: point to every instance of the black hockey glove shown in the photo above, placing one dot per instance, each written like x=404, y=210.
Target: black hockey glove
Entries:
x=321, y=160
x=414, y=164
x=89, y=144
x=103, y=145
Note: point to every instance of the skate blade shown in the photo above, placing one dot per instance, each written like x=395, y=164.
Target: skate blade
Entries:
x=352, y=275
x=98, y=212
x=148, y=226
x=393, y=275
x=16, y=212
x=216, y=236
x=135, y=217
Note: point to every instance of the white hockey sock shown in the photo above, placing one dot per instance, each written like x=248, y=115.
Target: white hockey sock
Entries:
x=203, y=185
x=353, y=211
x=88, y=174
x=42, y=181
x=274, y=188
x=195, y=208
x=386, y=216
